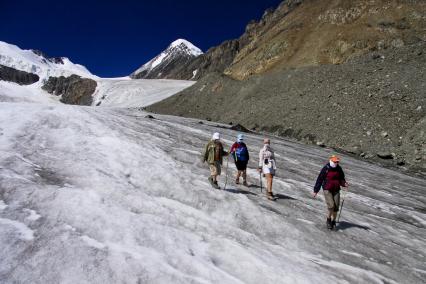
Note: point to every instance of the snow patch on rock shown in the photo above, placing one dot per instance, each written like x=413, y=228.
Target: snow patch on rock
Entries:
x=35, y=62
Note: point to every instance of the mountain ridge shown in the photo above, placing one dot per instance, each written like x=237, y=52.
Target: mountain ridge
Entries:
x=36, y=62
x=74, y=84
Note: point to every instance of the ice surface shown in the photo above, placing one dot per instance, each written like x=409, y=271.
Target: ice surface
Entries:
x=33, y=216
x=23, y=232
x=157, y=61
x=136, y=93
x=12, y=92
x=2, y=205
x=125, y=199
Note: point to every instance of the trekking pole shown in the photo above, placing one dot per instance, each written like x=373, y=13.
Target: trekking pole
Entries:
x=341, y=207
x=226, y=173
x=260, y=178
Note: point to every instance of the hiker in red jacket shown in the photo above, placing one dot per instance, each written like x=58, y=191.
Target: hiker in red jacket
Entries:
x=331, y=178
x=241, y=157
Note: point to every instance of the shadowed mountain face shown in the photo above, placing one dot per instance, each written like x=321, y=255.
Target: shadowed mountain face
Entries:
x=170, y=63
x=217, y=59
x=56, y=60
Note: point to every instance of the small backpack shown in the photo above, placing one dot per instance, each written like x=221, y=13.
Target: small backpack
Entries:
x=241, y=153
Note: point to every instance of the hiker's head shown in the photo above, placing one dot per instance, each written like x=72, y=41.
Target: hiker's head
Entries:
x=240, y=138
x=266, y=141
x=216, y=136
x=334, y=161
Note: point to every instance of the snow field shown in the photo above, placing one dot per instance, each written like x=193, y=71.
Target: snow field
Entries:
x=26, y=60
x=125, y=92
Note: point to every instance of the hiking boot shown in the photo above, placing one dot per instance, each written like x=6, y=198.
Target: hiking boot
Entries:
x=333, y=224
x=270, y=195
x=237, y=181
x=210, y=180
x=245, y=183
x=215, y=185
x=329, y=224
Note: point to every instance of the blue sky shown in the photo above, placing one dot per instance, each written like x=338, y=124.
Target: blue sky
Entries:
x=113, y=38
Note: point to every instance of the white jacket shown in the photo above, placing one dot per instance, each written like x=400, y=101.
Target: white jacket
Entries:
x=267, y=153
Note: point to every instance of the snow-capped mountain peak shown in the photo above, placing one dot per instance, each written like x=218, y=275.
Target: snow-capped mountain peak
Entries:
x=186, y=46
x=177, y=53
x=35, y=61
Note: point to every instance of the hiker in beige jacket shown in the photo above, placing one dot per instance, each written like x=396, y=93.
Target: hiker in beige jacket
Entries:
x=213, y=155
x=267, y=166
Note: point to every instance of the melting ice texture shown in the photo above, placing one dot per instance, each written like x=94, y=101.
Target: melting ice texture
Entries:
x=105, y=195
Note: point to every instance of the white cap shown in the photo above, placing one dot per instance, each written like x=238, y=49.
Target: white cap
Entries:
x=240, y=137
x=216, y=136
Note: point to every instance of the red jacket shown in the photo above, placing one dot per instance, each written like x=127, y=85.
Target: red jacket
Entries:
x=330, y=179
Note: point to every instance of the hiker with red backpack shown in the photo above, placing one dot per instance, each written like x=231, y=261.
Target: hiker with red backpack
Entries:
x=241, y=157
x=330, y=179
x=213, y=155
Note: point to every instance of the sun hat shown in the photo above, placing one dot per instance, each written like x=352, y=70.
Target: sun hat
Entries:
x=334, y=159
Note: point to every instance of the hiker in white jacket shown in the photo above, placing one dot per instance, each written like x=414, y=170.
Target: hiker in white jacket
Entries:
x=267, y=165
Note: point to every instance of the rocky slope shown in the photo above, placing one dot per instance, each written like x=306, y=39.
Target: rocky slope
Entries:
x=345, y=74
x=216, y=59
x=374, y=105
x=313, y=32
x=17, y=76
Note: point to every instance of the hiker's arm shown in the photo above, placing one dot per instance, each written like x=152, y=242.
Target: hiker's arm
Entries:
x=342, y=180
x=205, y=154
x=224, y=153
x=248, y=154
x=320, y=180
x=260, y=158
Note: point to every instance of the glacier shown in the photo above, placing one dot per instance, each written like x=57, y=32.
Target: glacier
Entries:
x=107, y=195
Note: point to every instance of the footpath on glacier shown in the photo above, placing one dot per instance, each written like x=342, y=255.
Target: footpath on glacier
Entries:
x=105, y=194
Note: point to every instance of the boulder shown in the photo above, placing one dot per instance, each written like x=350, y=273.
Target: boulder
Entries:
x=17, y=76
x=385, y=155
x=240, y=128
x=74, y=89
